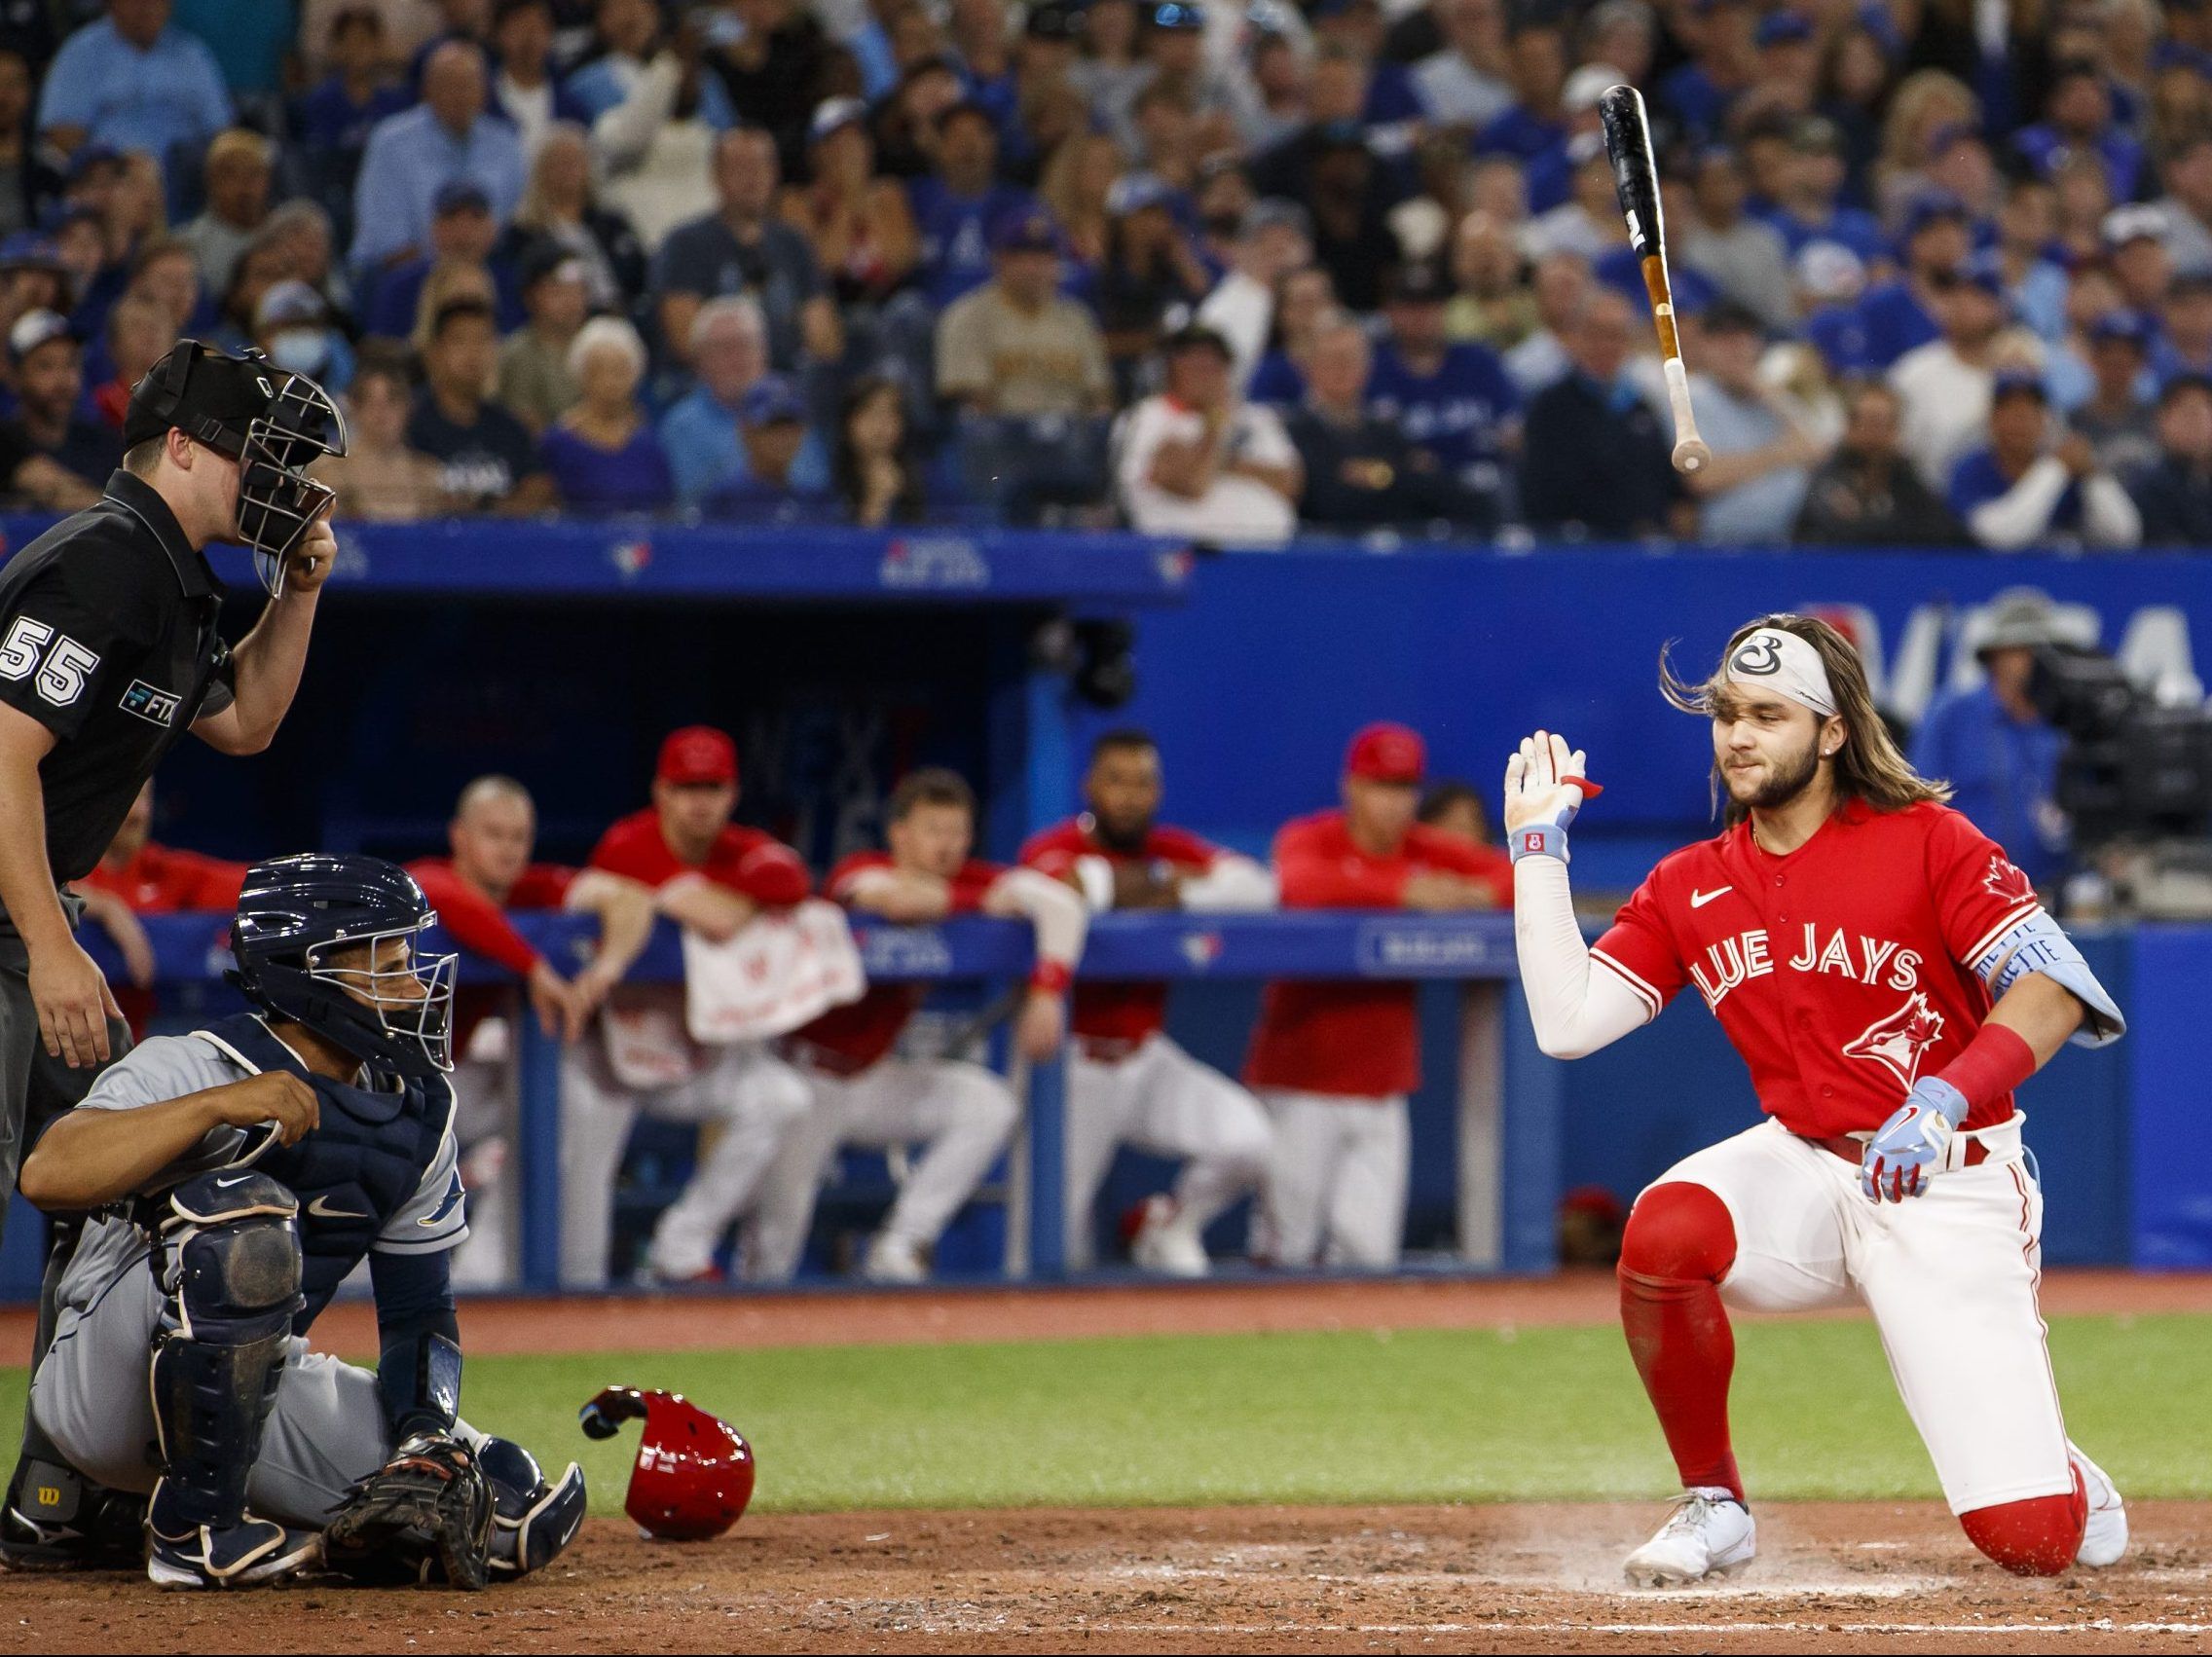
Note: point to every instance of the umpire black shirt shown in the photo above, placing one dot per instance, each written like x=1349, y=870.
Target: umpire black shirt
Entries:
x=107, y=638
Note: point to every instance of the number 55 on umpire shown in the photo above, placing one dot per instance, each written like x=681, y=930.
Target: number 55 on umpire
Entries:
x=108, y=654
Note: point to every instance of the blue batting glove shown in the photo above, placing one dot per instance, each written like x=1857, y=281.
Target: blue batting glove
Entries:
x=1912, y=1143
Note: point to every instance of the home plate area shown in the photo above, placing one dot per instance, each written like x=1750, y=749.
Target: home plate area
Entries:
x=1896, y=1577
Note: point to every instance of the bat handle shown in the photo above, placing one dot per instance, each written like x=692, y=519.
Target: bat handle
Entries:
x=1691, y=454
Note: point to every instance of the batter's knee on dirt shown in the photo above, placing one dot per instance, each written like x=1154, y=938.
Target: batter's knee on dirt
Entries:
x=2036, y=1537
x=532, y=1519
x=1679, y=1230
x=231, y=1285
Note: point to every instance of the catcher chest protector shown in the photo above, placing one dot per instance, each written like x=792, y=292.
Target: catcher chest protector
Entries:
x=694, y=1471
x=229, y=1259
x=357, y=1170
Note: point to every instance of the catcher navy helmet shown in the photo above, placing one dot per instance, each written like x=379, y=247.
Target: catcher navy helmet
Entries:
x=273, y=422
x=295, y=911
x=694, y=1472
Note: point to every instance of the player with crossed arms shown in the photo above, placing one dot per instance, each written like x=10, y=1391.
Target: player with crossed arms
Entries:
x=1890, y=979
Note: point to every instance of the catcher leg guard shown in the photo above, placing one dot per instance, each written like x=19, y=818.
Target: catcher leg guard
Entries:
x=533, y=1522
x=230, y=1262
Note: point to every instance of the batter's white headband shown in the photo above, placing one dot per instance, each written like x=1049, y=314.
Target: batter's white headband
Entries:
x=1783, y=663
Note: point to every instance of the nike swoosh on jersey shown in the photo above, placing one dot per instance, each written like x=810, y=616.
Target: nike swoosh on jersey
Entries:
x=1699, y=899
x=320, y=1208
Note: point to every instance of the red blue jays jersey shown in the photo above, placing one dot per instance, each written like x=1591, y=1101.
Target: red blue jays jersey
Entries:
x=1843, y=972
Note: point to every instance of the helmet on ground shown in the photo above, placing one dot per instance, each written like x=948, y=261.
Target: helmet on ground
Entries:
x=273, y=422
x=694, y=1471
x=295, y=912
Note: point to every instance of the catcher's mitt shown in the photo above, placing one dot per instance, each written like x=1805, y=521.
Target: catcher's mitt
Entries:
x=425, y=1513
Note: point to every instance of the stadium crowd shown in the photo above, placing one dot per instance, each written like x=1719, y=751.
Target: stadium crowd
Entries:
x=1226, y=268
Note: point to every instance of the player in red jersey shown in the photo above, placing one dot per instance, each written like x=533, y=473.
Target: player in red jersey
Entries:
x=708, y=875
x=492, y=835
x=1334, y=1062
x=1890, y=979
x=136, y=877
x=1129, y=1081
x=864, y=1094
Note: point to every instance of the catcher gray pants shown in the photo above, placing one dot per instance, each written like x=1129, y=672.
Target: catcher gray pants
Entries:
x=91, y=1398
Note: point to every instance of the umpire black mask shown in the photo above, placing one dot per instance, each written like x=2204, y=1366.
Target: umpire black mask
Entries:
x=272, y=422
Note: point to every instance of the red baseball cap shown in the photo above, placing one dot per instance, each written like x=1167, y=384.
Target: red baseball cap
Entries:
x=1385, y=752
x=698, y=755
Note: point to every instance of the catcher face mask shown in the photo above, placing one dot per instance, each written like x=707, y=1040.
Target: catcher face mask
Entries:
x=1784, y=663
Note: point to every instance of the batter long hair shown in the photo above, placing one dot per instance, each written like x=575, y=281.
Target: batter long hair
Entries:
x=1869, y=767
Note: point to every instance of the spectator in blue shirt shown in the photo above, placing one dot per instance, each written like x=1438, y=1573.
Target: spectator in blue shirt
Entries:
x=1810, y=205
x=1455, y=401
x=1902, y=313
x=2173, y=493
x=2021, y=491
x=774, y=488
x=2134, y=238
x=134, y=81
x=602, y=454
x=706, y=453
x=2077, y=118
x=1829, y=280
x=448, y=135
x=1721, y=66
x=333, y=120
x=744, y=247
x=487, y=460
x=462, y=232
x=629, y=33
x=2184, y=344
x=1994, y=748
x=958, y=206
x=1551, y=169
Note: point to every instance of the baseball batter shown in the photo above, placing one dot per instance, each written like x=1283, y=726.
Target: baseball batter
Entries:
x=864, y=1094
x=1890, y=979
x=1129, y=1081
x=242, y=1173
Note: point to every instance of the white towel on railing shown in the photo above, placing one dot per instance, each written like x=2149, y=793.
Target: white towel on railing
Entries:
x=781, y=971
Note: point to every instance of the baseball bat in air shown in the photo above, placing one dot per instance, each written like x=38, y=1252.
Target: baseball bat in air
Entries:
x=1635, y=180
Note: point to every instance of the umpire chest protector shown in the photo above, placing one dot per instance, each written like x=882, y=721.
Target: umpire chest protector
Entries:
x=358, y=1167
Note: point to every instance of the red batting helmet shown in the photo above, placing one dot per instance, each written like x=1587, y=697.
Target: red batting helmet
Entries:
x=694, y=1471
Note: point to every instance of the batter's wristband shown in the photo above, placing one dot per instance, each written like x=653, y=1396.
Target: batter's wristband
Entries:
x=1995, y=1062
x=1052, y=977
x=1539, y=841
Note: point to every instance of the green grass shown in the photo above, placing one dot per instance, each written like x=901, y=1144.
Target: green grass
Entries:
x=1545, y=1415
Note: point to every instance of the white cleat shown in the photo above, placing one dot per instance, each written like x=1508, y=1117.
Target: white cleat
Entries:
x=2104, y=1541
x=893, y=1260
x=1709, y=1533
x=1166, y=1244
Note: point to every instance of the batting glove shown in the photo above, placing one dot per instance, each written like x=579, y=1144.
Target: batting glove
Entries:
x=1544, y=788
x=1911, y=1145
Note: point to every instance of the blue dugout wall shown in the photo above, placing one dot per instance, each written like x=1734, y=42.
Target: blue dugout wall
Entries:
x=562, y=652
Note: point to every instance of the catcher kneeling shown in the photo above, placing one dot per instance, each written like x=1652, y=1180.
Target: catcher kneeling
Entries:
x=240, y=1175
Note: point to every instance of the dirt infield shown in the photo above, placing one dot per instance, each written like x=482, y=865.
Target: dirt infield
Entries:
x=1543, y=1579
x=715, y=1321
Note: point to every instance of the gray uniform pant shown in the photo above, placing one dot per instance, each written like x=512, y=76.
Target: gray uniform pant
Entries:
x=90, y=1396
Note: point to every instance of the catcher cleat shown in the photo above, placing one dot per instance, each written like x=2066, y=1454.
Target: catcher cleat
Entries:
x=1709, y=1533
x=56, y=1520
x=254, y=1551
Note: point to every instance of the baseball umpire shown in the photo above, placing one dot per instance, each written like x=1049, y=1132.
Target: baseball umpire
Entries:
x=242, y=1173
x=109, y=652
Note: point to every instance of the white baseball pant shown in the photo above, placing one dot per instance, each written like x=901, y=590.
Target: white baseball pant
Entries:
x=1160, y=1099
x=1337, y=1182
x=964, y=1111
x=752, y=1097
x=1950, y=1276
x=484, y=1092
